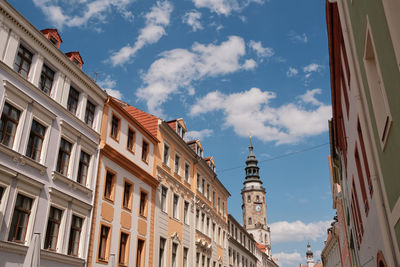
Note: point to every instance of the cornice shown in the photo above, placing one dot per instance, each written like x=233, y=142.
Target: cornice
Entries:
x=129, y=165
x=20, y=23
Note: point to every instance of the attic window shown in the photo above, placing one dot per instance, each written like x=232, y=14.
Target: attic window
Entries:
x=180, y=131
x=53, y=40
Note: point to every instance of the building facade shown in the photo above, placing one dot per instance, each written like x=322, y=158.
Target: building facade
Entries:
x=50, y=128
x=364, y=62
x=191, y=219
x=122, y=230
x=241, y=245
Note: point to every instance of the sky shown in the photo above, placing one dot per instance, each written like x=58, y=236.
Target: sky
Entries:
x=230, y=69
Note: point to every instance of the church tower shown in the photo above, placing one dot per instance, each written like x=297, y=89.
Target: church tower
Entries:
x=254, y=206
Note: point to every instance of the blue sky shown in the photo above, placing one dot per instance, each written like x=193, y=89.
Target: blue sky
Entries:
x=229, y=68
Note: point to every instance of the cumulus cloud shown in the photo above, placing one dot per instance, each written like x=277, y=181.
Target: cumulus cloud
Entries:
x=289, y=259
x=298, y=37
x=192, y=18
x=156, y=21
x=298, y=231
x=108, y=85
x=194, y=135
x=176, y=69
x=80, y=13
x=292, y=72
x=251, y=109
x=261, y=51
x=225, y=7
x=310, y=68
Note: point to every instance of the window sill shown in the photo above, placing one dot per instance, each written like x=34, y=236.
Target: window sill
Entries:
x=143, y=217
x=17, y=157
x=127, y=209
x=72, y=184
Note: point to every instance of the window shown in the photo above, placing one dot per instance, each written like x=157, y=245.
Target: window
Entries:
x=219, y=205
x=46, y=80
x=208, y=191
x=8, y=124
x=197, y=259
x=83, y=168
x=174, y=256
x=20, y=219
x=73, y=99
x=89, y=114
x=202, y=185
x=161, y=252
x=177, y=163
x=257, y=198
x=104, y=234
x=143, y=204
x=185, y=212
x=175, y=206
x=23, y=61
x=250, y=222
x=213, y=199
x=198, y=182
x=109, y=186
x=187, y=167
x=248, y=198
x=35, y=141
x=364, y=155
x=1, y=193
x=223, y=208
x=145, y=151
x=127, y=195
x=361, y=181
x=130, y=144
x=139, y=253
x=163, y=200
x=166, y=154
x=74, y=235
x=377, y=90
x=53, y=227
x=185, y=257
x=63, y=156
x=123, y=249
x=207, y=226
x=115, y=122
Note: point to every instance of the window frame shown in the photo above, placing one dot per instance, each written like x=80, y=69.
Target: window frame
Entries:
x=141, y=258
x=145, y=152
x=131, y=140
x=166, y=154
x=186, y=207
x=88, y=111
x=177, y=165
x=143, y=203
x=103, y=252
x=109, y=196
x=70, y=106
x=128, y=205
x=125, y=255
x=23, y=59
x=20, y=211
x=36, y=135
x=8, y=117
x=53, y=221
x=175, y=206
x=115, y=136
x=61, y=165
x=48, y=74
x=87, y=164
x=164, y=201
x=187, y=172
x=73, y=228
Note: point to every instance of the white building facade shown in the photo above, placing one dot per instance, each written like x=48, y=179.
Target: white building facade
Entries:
x=50, y=126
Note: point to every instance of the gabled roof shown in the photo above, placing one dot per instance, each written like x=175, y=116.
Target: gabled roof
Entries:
x=75, y=54
x=148, y=121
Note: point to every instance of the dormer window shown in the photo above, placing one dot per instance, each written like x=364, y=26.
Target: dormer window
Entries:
x=53, y=40
x=76, y=62
x=199, y=151
x=181, y=132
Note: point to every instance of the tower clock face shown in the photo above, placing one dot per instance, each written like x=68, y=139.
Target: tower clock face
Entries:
x=257, y=208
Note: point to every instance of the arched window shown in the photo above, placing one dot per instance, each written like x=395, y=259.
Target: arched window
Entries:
x=265, y=238
x=258, y=198
x=248, y=198
x=250, y=222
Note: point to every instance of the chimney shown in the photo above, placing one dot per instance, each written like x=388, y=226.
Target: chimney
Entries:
x=53, y=36
x=75, y=57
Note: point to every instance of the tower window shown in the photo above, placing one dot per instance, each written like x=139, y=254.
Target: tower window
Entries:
x=258, y=198
x=248, y=198
x=250, y=221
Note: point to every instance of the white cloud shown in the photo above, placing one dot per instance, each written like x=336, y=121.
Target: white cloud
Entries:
x=156, y=21
x=260, y=50
x=225, y=7
x=176, y=69
x=289, y=259
x=292, y=72
x=249, y=64
x=81, y=13
x=309, y=97
x=298, y=37
x=298, y=231
x=193, y=135
x=192, y=18
x=313, y=67
x=251, y=109
x=108, y=85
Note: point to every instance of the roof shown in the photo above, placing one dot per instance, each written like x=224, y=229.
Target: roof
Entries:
x=262, y=247
x=75, y=54
x=55, y=31
x=149, y=122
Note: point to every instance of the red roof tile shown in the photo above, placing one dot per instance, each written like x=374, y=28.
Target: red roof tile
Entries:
x=148, y=121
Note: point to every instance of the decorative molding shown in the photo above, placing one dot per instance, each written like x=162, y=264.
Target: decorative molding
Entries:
x=71, y=183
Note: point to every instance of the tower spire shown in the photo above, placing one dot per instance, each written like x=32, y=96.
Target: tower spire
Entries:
x=252, y=170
